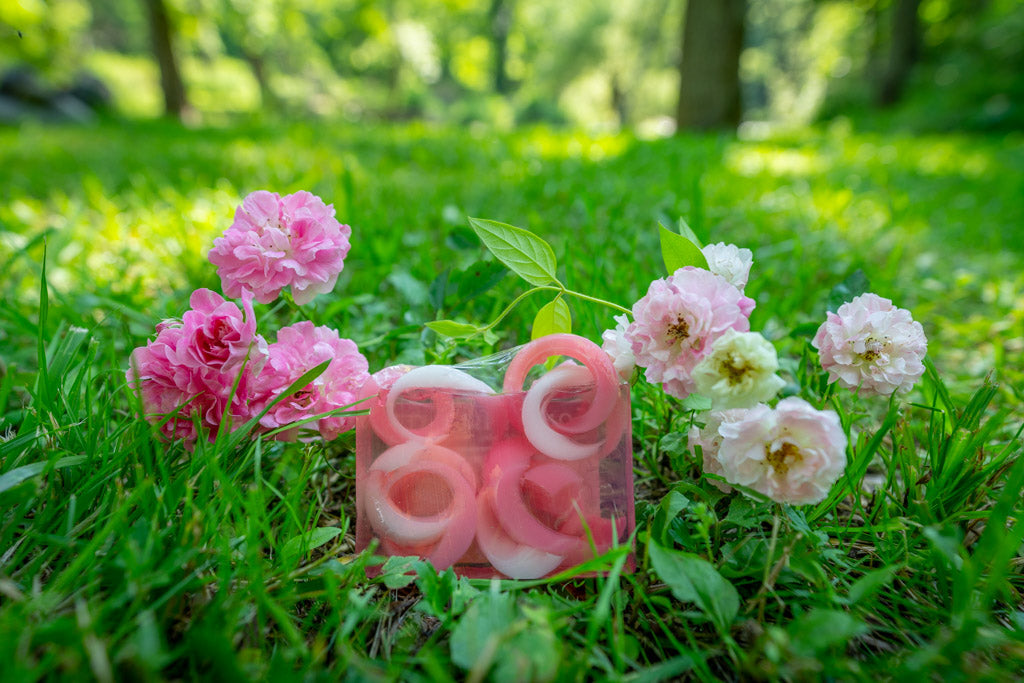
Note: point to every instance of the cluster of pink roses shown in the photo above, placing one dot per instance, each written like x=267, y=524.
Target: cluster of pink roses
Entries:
x=211, y=370
x=690, y=333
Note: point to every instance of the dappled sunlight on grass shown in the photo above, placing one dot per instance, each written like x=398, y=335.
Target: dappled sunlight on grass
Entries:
x=946, y=157
x=749, y=159
x=976, y=323
x=861, y=218
x=548, y=144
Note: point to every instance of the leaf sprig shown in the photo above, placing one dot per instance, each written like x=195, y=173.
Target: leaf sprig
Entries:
x=532, y=258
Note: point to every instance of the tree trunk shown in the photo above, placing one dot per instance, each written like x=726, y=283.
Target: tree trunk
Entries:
x=620, y=101
x=163, y=49
x=903, y=51
x=259, y=72
x=500, y=16
x=709, y=80
x=872, y=65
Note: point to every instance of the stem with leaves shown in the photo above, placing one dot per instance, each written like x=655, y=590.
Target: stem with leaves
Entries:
x=532, y=259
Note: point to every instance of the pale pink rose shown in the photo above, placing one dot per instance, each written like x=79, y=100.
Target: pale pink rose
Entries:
x=731, y=262
x=198, y=393
x=216, y=335
x=278, y=242
x=792, y=454
x=710, y=441
x=872, y=346
x=677, y=322
x=618, y=347
x=298, y=349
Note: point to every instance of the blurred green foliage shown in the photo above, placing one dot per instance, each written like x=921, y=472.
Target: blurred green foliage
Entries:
x=600, y=64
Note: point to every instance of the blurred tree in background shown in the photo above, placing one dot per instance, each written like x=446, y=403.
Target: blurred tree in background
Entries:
x=709, y=82
x=601, y=64
x=162, y=34
x=904, y=49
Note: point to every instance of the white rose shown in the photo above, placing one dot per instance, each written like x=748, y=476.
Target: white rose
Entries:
x=617, y=345
x=739, y=372
x=730, y=262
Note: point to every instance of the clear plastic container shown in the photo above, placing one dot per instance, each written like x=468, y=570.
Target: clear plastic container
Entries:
x=518, y=484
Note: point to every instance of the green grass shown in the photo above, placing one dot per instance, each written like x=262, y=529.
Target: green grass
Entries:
x=121, y=556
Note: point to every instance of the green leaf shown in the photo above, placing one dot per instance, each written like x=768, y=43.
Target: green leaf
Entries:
x=744, y=514
x=512, y=644
x=9, y=480
x=678, y=251
x=437, y=589
x=675, y=443
x=481, y=629
x=821, y=629
x=870, y=583
x=477, y=279
x=532, y=654
x=696, y=402
x=687, y=232
x=311, y=541
x=450, y=328
x=399, y=571
x=460, y=237
x=695, y=580
x=524, y=253
x=669, y=508
x=552, y=318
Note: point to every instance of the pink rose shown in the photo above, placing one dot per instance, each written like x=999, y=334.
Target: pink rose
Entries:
x=677, y=322
x=298, y=349
x=193, y=392
x=216, y=335
x=872, y=346
x=792, y=454
x=277, y=242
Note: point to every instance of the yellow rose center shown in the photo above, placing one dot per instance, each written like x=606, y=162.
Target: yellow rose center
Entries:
x=785, y=455
x=733, y=370
x=680, y=330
